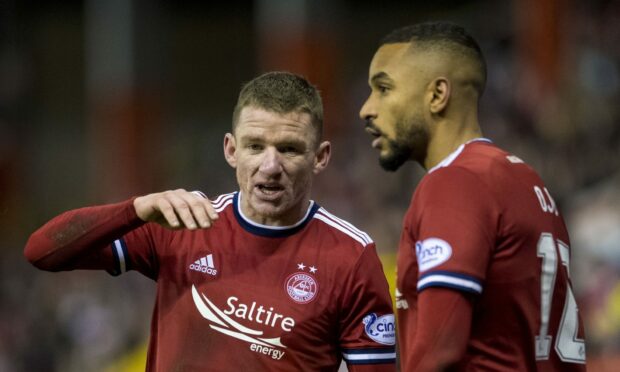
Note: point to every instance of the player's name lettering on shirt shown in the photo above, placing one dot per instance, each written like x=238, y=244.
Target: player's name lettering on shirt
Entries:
x=547, y=204
x=254, y=314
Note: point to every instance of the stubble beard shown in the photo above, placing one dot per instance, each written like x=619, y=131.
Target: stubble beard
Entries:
x=411, y=143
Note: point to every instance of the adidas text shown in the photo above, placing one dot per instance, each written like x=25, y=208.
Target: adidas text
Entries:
x=204, y=265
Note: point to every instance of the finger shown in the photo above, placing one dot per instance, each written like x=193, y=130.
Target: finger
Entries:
x=198, y=208
x=167, y=211
x=211, y=210
x=182, y=208
x=207, y=205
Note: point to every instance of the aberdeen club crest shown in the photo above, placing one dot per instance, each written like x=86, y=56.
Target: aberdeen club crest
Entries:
x=301, y=287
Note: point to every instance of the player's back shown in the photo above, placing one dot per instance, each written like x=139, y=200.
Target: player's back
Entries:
x=526, y=316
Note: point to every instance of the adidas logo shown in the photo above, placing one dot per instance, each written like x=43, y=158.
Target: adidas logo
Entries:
x=204, y=265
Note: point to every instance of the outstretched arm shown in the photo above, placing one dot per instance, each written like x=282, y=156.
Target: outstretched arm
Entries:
x=76, y=239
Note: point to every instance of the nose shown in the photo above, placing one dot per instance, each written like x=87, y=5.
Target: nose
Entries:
x=368, y=112
x=271, y=163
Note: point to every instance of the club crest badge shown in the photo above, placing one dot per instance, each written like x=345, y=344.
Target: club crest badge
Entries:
x=301, y=287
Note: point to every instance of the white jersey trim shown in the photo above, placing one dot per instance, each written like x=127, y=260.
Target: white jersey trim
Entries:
x=218, y=203
x=222, y=198
x=443, y=280
x=121, y=256
x=344, y=226
x=450, y=158
x=223, y=202
x=369, y=356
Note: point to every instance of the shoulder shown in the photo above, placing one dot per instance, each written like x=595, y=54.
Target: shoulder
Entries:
x=454, y=181
x=220, y=202
x=351, y=252
x=472, y=182
x=478, y=165
x=490, y=162
x=343, y=231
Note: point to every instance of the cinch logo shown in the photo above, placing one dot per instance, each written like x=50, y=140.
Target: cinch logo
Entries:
x=380, y=329
x=204, y=265
x=432, y=252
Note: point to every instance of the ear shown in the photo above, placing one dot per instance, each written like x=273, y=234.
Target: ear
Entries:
x=440, y=90
x=230, y=148
x=322, y=156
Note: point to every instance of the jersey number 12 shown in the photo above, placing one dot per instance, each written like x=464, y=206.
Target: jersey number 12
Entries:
x=568, y=347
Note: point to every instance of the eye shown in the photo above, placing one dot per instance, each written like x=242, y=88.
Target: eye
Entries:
x=289, y=150
x=383, y=89
x=254, y=146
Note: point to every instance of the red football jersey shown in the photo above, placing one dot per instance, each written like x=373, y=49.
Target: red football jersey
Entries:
x=246, y=297
x=483, y=222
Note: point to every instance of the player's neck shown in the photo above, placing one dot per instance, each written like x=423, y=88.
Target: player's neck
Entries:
x=447, y=137
x=255, y=214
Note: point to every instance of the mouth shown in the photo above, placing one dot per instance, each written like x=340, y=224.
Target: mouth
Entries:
x=269, y=190
x=373, y=131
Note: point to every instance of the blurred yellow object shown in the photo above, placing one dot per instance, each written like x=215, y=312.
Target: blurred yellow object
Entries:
x=606, y=319
x=134, y=361
x=613, y=308
x=389, y=268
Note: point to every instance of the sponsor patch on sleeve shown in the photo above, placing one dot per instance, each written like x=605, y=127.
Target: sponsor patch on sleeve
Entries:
x=380, y=329
x=432, y=252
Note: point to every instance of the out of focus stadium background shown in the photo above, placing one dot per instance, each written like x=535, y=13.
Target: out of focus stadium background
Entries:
x=104, y=99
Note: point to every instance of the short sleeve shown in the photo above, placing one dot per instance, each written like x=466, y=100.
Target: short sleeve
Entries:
x=367, y=329
x=456, y=223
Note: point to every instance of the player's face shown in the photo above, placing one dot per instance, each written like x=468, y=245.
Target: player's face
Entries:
x=394, y=110
x=275, y=156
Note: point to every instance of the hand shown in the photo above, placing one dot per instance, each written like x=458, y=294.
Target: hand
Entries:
x=176, y=209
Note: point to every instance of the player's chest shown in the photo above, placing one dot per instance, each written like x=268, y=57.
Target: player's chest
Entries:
x=244, y=282
x=268, y=284
x=261, y=298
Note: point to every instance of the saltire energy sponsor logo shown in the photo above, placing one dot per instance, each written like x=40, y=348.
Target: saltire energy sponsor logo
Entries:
x=380, y=329
x=301, y=287
x=220, y=321
x=432, y=252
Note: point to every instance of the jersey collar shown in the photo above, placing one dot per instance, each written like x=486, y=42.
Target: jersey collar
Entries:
x=267, y=230
x=450, y=158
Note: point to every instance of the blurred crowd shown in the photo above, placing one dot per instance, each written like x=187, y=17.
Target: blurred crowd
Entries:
x=552, y=98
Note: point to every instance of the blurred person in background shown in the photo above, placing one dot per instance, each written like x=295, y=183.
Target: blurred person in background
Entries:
x=259, y=279
x=483, y=263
